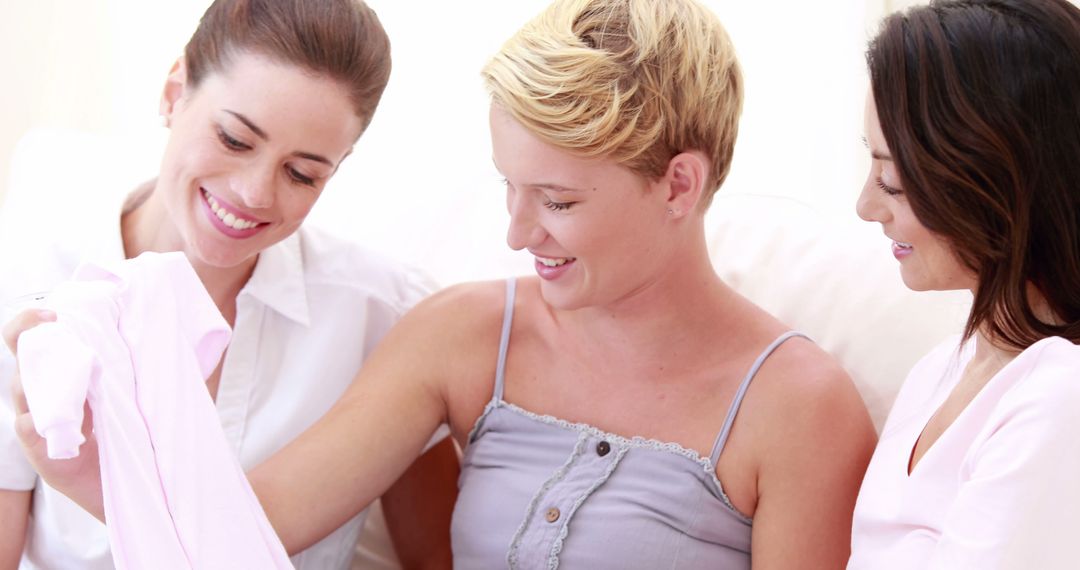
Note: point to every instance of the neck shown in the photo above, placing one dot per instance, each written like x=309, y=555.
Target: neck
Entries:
x=991, y=353
x=989, y=348
x=146, y=226
x=675, y=310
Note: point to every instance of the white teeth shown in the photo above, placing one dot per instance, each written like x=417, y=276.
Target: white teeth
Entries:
x=553, y=262
x=228, y=218
x=904, y=245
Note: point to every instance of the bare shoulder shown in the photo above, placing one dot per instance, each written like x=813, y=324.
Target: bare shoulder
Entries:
x=452, y=339
x=454, y=330
x=806, y=401
x=461, y=309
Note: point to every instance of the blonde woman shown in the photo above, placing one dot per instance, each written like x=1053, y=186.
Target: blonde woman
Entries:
x=622, y=408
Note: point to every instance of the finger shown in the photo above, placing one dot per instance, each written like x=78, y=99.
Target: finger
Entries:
x=28, y=436
x=18, y=395
x=88, y=421
x=25, y=320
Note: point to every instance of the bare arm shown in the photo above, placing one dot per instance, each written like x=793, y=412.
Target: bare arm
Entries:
x=15, y=512
x=419, y=506
x=364, y=443
x=809, y=478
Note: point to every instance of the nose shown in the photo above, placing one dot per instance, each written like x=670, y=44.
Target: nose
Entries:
x=524, y=231
x=255, y=187
x=868, y=206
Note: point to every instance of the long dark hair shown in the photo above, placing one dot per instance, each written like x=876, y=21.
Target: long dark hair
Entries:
x=979, y=102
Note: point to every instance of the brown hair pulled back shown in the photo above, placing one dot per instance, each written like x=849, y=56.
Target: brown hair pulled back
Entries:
x=340, y=39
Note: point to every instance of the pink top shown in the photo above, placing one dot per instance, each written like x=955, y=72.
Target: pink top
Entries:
x=174, y=493
x=1000, y=489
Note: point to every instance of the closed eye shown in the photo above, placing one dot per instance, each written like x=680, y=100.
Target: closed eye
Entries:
x=298, y=176
x=230, y=142
x=888, y=189
x=558, y=206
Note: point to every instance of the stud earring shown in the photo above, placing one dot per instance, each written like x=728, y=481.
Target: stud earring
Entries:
x=671, y=212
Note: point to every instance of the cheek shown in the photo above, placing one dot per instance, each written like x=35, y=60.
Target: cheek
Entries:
x=296, y=204
x=186, y=162
x=950, y=263
x=909, y=227
x=618, y=235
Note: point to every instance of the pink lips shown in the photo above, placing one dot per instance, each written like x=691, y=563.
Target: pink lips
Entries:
x=900, y=251
x=220, y=225
x=551, y=273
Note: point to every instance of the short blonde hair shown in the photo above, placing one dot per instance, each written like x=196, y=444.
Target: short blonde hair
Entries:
x=636, y=81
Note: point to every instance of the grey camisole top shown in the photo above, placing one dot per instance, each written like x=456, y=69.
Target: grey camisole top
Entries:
x=540, y=492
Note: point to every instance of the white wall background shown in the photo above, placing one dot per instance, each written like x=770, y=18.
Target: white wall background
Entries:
x=420, y=185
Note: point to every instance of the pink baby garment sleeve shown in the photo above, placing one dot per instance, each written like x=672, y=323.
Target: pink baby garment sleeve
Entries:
x=175, y=495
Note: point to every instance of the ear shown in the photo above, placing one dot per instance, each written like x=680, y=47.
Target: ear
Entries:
x=686, y=177
x=175, y=87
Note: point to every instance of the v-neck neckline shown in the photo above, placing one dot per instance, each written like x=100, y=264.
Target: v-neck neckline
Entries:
x=942, y=393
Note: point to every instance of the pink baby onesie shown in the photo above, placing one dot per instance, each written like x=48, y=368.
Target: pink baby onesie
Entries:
x=145, y=335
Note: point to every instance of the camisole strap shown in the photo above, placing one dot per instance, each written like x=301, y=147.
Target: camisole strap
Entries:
x=721, y=439
x=504, y=340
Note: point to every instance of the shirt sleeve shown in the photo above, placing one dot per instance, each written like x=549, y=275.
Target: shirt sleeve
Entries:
x=1019, y=500
x=416, y=285
x=16, y=474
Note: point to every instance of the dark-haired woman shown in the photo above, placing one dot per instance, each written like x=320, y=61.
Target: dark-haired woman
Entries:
x=266, y=103
x=974, y=127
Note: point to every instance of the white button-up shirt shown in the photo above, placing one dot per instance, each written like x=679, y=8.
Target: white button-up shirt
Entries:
x=312, y=311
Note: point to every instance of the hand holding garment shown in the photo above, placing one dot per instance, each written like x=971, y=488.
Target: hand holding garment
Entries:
x=146, y=335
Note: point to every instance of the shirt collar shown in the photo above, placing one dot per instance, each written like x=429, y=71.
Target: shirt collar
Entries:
x=278, y=280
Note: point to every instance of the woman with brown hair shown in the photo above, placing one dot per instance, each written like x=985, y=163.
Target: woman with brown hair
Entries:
x=973, y=123
x=267, y=101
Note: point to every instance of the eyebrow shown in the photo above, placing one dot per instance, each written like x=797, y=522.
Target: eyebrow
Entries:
x=543, y=185
x=555, y=187
x=876, y=155
x=262, y=135
x=254, y=128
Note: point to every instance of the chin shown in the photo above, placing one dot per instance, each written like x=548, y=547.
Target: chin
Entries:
x=218, y=257
x=560, y=298
x=911, y=284
x=916, y=284
x=922, y=284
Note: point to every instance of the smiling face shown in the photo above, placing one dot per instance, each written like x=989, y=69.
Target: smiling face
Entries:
x=250, y=150
x=927, y=262
x=592, y=225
